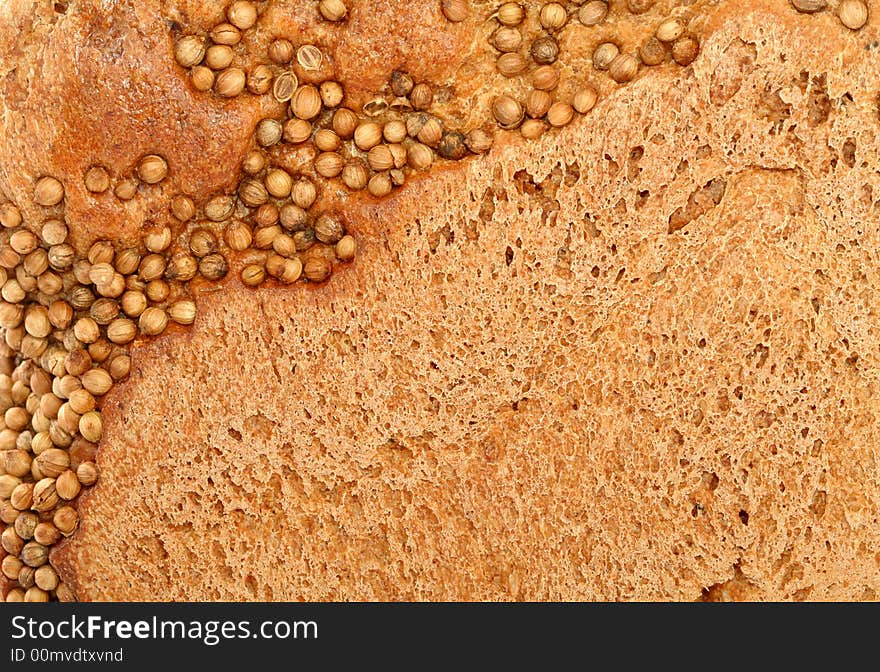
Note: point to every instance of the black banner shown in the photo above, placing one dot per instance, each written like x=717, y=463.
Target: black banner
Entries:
x=407, y=636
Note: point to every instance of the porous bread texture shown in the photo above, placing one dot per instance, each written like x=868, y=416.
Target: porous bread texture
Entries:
x=634, y=360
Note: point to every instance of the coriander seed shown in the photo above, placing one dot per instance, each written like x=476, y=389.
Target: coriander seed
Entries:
x=96, y=180
x=46, y=533
x=252, y=193
x=304, y=193
x=345, y=248
x=327, y=140
x=284, y=87
x=152, y=169
x=294, y=218
x=183, y=209
x=604, y=54
x=290, y=271
x=560, y=114
x=48, y=191
x=545, y=50
x=431, y=132
x=253, y=163
x=852, y=13
x=329, y=164
x=553, y=16
x=67, y=485
x=328, y=229
x=506, y=39
x=332, y=94
x=394, y=131
x=306, y=103
x=538, y=102
x=317, y=269
x=809, y=6
x=685, y=50
x=281, y=51
x=152, y=322
x=181, y=312
x=511, y=64
x=344, y=123
x=230, y=82
x=87, y=473
x=401, y=84
x=367, y=135
x=380, y=185
x=451, y=145
x=34, y=554
x=238, y=236
x=10, y=216
x=157, y=239
x=278, y=183
x=225, y=33
x=355, y=175
x=545, y=78
x=259, y=79
x=91, y=425
x=455, y=11
x=23, y=241
x=309, y=57
x=202, y=78
x=623, y=68
x=219, y=208
x=189, y=51
x=585, y=99
x=46, y=578
x=593, y=13
x=133, y=303
x=510, y=14
x=507, y=111
x=97, y=381
x=44, y=496
x=479, y=141
x=86, y=330
x=421, y=96
x=54, y=232
x=652, y=51
x=669, y=30
x=202, y=242
x=120, y=367
x=639, y=6
x=219, y=57
x=213, y=267
x=126, y=189
x=242, y=14
x=253, y=275
x=268, y=132
x=332, y=10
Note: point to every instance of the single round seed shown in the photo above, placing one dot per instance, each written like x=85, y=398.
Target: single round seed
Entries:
x=253, y=162
x=809, y=6
x=11, y=566
x=544, y=50
x=265, y=236
x=86, y=330
x=345, y=122
x=48, y=191
x=202, y=78
x=452, y=146
x=46, y=578
x=431, y=132
x=34, y=554
x=103, y=311
x=297, y=131
x=202, y=242
x=96, y=180
x=852, y=13
x=553, y=16
x=355, y=175
x=346, y=248
x=253, y=275
x=54, y=232
x=507, y=111
x=309, y=57
x=120, y=367
x=670, y=30
x=87, y=473
x=332, y=10
x=183, y=209
x=306, y=103
x=133, y=303
x=593, y=13
x=421, y=97
x=394, y=131
x=101, y=274
x=98, y=381
x=268, y=132
x=604, y=54
x=420, y=156
x=639, y=6
x=623, y=68
x=317, y=269
x=332, y=94
x=511, y=64
x=328, y=229
x=122, y=331
x=652, y=51
x=213, y=267
x=152, y=267
x=380, y=185
x=67, y=485
x=45, y=497
x=326, y=140
x=380, y=158
x=479, y=141
x=510, y=14
x=10, y=216
x=685, y=50
x=281, y=51
x=266, y=215
x=545, y=78
x=81, y=401
x=152, y=321
x=252, y=193
x=152, y=169
x=238, y=236
x=182, y=312
x=242, y=14
x=126, y=189
x=401, y=83
x=219, y=208
x=367, y=135
x=329, y=164
x=189, y=51
x=560, y=114
x=538, y=103
x=230, y=82
x=91, y=426
x=284, y=87
x=585, y=99
x=294, y=218
x=46, y=533
x=507, y=39
x=22, y=496
x=278, y=183
x=259, y=79
x=225, y=33
x=16, y=462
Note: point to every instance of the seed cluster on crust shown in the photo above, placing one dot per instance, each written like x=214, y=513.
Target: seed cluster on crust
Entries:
x=68, y=321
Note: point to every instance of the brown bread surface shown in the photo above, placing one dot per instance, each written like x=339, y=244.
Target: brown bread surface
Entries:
x=636, y=359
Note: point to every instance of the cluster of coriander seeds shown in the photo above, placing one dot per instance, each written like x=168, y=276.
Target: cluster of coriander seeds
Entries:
x=852, y=13
x=150, y=170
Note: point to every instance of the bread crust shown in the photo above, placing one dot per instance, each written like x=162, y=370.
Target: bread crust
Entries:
x=633, y=360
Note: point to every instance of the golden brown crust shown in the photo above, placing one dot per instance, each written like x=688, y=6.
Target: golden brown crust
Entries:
x=634, y=359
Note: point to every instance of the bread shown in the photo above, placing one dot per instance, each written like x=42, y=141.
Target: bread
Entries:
x=633, y=359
